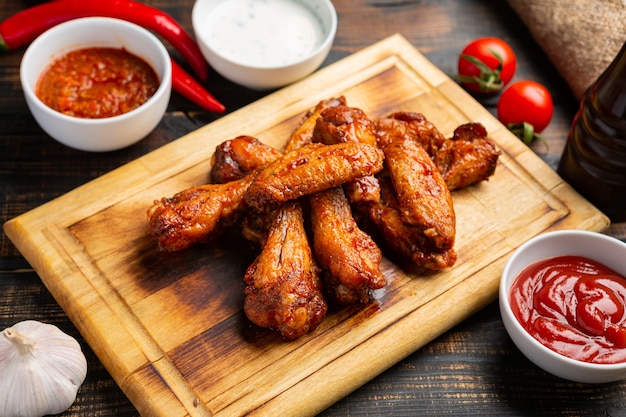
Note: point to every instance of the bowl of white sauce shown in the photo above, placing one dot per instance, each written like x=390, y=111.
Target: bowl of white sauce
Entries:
x=264, y=44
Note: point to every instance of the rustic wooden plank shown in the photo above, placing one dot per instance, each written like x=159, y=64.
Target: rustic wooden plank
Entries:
x=170, y=329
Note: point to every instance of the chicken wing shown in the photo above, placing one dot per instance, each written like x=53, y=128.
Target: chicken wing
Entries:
x=283, y=290
x=235, y=158
x=194, y=214
x=423, y=198
x=311, y=169
x=344, y=124
x=409, y=125
x=302, y=136
x=405, y=238
x=349, y=256
x=467, y=158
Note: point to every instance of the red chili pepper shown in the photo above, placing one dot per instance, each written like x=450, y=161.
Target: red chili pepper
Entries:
x=23, y=27
x=188, y=87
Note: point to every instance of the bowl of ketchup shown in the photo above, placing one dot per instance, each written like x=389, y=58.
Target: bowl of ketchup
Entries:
x=563, y=303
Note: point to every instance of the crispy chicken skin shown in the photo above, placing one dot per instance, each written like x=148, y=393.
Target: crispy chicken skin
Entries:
x=344, y=124
x=194, y=214
x=468, y=157
x=405, y=238
x=235, y=158
x=310, y=169
x=465, y=159
x=302, y=136
x=349, y=256
x=409, y=125
x=283, y=290
x=423, y=198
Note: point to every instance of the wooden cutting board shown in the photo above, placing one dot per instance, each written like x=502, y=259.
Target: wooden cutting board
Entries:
x=170, y=328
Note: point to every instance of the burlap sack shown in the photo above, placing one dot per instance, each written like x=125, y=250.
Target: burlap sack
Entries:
x=581, y=37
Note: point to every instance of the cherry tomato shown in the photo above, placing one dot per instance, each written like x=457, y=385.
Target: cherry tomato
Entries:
x=486, y=65
x=526, y=101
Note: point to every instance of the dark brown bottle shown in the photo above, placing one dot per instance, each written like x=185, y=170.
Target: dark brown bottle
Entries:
x=594, y=158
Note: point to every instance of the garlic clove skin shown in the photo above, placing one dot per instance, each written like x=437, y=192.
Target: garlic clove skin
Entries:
x=41, y=369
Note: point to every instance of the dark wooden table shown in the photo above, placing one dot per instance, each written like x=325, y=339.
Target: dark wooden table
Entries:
x=474, y=369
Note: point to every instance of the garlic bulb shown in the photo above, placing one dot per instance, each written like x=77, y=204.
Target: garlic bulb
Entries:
x=41, y=369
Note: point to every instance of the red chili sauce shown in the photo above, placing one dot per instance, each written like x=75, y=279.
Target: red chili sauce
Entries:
x=574, y=306
x=95, y=83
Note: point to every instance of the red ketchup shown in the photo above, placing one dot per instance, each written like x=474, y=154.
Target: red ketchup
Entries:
x=574, y=306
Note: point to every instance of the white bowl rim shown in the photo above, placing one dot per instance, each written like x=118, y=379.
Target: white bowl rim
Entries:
x=504, y=292
x=164, y=82
x=328, y=38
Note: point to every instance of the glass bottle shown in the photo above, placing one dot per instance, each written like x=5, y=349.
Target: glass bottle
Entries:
x=594, y=158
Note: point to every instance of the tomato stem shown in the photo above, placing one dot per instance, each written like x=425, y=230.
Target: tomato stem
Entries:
x=526, y=133
x=489, y=80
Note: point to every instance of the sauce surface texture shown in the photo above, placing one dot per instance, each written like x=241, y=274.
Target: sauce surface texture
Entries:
x=263, y=33
x=574, y=306
x=96, y=83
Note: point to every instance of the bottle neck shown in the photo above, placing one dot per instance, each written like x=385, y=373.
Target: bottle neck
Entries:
x=608, y=94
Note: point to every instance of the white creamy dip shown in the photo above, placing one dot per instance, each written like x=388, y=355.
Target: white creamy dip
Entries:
x=265, y=33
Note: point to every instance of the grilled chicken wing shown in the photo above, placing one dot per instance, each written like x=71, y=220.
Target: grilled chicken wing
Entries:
x=405, y=238
x=344, y=124
x=302, y=136
x=409, y=125
x=349, y=256
x=283, y=289
x=235, y=158
x=423, y=198
x=311, y=169
x=468, y=157
x=194, y=214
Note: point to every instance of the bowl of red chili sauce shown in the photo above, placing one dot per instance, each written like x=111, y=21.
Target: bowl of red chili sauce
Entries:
x=563, y=303
x=97, y=84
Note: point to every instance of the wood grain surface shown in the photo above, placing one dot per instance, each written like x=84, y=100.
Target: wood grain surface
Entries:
x=170, y=329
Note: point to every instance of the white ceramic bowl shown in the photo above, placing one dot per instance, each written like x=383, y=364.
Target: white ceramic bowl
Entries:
x=267, y=45
x=109, y=133
x=599, y=247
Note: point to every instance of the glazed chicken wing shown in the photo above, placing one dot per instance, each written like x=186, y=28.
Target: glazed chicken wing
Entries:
x=235, y=158
x=424, y=200
x=311, y=169
x=283, y=290
x=349, y=256
x=405, y=238
x=409, y=125
x=194, y=214
x=468, y=157
x=302, y=136
x=344, y=124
